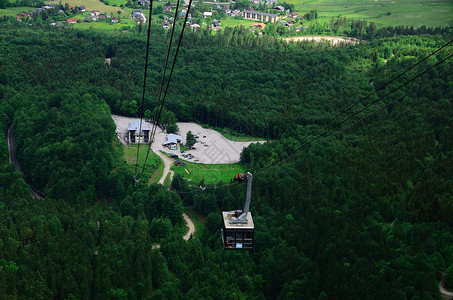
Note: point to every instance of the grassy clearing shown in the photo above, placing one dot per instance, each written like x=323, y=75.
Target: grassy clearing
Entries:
x=210, y=173
x=167, y=180
x=154, y=164
x=198, y=221
x=157, y=174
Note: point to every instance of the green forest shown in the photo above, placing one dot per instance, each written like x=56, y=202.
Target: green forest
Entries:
x=365, y=214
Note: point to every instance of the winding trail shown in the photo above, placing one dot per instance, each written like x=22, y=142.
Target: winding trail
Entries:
x=34, y=193
x=191, y=226
x=167, y=164
x=445, y=294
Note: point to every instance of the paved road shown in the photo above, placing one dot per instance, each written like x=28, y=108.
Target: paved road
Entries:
x=35, y=194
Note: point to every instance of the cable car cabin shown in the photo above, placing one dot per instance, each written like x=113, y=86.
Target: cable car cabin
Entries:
x=237, y=235
x=237, y=229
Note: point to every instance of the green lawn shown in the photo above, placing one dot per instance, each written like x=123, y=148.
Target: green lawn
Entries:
x=155, y=177
x=154, y=165
x=210, y=173
x=116, y=2
x=14, y=11
x=232, y=22
x=130, y=153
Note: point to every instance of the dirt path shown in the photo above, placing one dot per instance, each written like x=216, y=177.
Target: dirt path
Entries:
x=191, y=226
x=445, y=294
x=167, y=164
x=333, y=39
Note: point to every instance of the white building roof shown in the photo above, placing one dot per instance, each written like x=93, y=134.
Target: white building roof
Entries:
x=172, y=139
x=135, y=125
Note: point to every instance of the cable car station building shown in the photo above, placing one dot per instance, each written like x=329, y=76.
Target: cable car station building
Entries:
x=136, y=137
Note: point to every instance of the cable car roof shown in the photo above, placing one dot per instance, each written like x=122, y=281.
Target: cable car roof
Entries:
x=227, y=215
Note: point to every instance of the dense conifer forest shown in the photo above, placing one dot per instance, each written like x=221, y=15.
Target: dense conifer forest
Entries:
x=366, y=214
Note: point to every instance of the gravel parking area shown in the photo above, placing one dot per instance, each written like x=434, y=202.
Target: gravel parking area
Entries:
x=211, y=146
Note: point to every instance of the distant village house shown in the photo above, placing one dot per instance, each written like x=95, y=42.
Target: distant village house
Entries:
x=260, y=16
x=258, y=25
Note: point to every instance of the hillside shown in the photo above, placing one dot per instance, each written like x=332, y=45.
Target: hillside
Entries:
x=365, y=214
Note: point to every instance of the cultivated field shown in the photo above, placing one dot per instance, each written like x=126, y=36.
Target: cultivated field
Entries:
x=14, y=11
x=383, y=13
x=92, y=4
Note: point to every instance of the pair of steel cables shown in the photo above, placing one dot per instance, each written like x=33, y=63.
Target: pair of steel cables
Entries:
x=159, y=104
x=304, y=144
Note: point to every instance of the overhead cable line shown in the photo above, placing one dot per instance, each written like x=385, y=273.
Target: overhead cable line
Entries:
x=368, y=96
x=166, y=63
x=307, y=145
x=373, y=112
x=155, y=121
x=358, y=112
x=144, y=82
x=168, y=84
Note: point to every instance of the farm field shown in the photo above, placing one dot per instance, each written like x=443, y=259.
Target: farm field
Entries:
x=117, y=2
x=104, y=25
x=92, y=4
x=351, y=2
x=382, y=13
x=407, y=14
x=232, y=22
x=13, y=11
